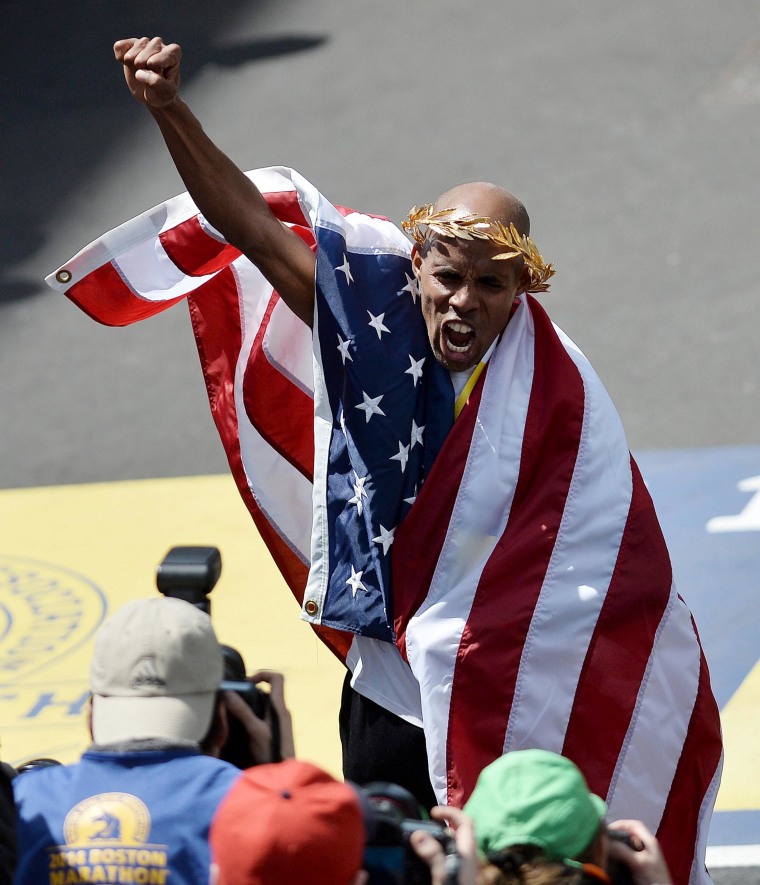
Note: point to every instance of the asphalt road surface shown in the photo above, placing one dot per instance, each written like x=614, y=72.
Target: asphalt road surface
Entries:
x=630, y=130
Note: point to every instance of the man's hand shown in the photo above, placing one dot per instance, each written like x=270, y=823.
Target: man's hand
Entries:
x=259, y=731
x=430, y=850
x=276, y=682
x=151, y=69
x=647, y=865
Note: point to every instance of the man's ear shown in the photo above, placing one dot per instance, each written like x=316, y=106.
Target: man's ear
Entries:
x=224, y=725
x=218, y=730
x=525, y=280
x=416, y=261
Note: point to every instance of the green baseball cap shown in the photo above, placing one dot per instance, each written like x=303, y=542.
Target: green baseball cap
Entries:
x=534, y=797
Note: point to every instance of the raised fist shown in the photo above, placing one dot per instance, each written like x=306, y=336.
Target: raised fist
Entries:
x=151, y=69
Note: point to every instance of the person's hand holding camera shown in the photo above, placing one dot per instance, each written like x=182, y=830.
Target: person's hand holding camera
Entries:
x=430, y=850
x=645, y=859
x=259, y=730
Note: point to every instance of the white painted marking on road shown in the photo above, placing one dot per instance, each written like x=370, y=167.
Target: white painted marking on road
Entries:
x=732, y=856
x=749, y=518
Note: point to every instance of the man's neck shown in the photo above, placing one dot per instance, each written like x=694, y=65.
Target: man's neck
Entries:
x=460, y=379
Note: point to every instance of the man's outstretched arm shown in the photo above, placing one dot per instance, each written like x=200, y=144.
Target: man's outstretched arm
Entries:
x=223, y=193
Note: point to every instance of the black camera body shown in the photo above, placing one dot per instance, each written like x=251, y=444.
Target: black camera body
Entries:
x=392, y=814
x=236, y=750
x=190, y=574
x=619, y=872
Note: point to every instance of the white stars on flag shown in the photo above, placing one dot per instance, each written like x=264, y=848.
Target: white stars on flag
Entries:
x=411, y=287
x=413, y=498
x=343, y=349
x=385, y=538
x=416, y=434
x=359, y=492
x=346, y=269
x=370, y=406
x=355, y=581
x=402, y=456
x=377, y=323
x=415, y=369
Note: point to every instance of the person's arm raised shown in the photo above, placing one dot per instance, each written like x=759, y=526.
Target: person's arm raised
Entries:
x=227, y=198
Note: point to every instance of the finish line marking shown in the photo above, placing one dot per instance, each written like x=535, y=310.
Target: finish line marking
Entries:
x=732, y=856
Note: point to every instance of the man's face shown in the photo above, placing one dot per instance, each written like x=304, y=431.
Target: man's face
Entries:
x=466, y=297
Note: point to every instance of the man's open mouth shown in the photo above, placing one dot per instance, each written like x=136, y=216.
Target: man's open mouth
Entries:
x=458, y=336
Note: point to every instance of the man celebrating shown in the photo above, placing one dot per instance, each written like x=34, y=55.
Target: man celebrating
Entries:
x=481, y=549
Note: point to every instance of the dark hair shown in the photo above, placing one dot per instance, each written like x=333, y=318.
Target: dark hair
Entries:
x=525, y=865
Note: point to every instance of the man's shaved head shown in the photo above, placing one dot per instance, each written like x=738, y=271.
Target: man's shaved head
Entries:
x=484, y=198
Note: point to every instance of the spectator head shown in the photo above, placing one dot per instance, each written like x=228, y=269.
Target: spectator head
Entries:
x=8, y=848
x=155, y=672
x=288, y=822
x=536, y=799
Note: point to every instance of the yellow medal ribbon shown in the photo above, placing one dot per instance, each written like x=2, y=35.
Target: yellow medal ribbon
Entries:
x=467, y=389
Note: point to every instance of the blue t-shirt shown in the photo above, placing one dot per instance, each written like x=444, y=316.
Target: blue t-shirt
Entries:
x=118, y=817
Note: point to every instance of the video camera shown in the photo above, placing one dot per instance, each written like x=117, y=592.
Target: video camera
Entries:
x=190, y=574
x=392, y=814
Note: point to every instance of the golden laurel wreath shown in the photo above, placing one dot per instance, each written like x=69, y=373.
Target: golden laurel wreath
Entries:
x=480, y=227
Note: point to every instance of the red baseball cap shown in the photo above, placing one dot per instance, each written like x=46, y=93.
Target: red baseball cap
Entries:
x=287, y=822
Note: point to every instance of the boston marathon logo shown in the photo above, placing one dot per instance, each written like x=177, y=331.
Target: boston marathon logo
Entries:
x=47, y=611
x=107, y=841
x=46, y=614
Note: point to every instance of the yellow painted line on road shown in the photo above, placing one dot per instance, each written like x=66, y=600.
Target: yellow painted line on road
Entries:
x=740, y=787
x=71, y=554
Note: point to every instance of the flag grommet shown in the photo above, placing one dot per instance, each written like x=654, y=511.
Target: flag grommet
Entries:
x=63, y=275
x=311, y=608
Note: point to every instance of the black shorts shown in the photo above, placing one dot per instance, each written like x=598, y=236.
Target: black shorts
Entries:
x=379, y=746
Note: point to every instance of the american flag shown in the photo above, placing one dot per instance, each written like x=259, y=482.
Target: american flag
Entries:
x=531, y=590
x=384, y=411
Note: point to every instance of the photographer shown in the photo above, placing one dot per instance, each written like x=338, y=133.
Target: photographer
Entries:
x=537, y=823
x=139, y=803
x=251, y=726
x=286, y=823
